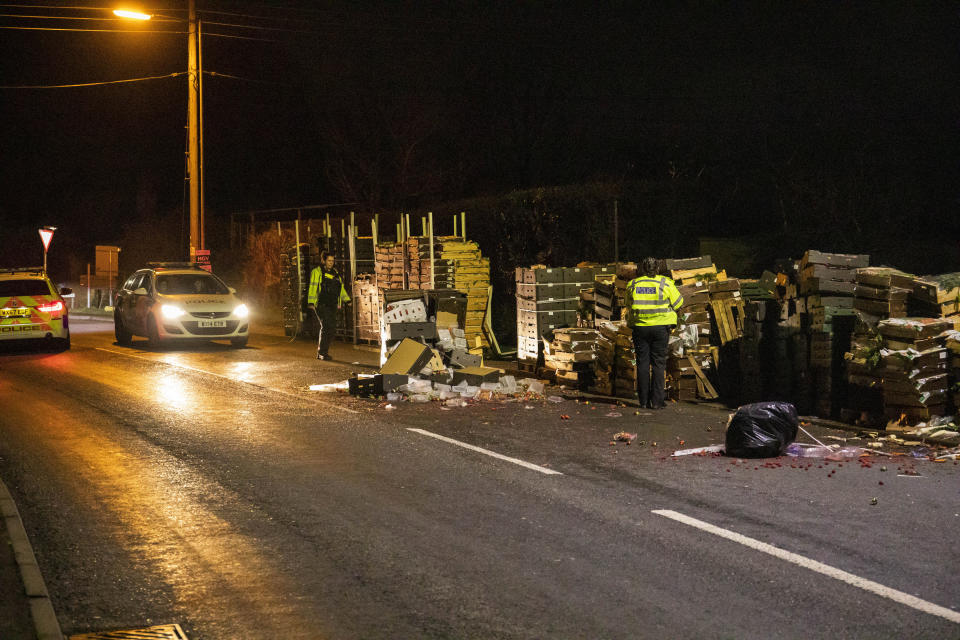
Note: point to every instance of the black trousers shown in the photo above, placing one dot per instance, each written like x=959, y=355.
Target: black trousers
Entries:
x=327, y=315
x=650, y=347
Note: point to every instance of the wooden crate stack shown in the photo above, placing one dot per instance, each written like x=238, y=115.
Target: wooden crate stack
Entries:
x=864, y=402
x=914, y=368
x=604, y=374
x=547, y=298
x=471, y=275
x=952, y=343
x=570, y=356
x=829, y=282
x=389, y=266
x=693, y=277
x=616, y=366
x=366, y=305
x=882, y=293
x=543, y=305
x=937, y=296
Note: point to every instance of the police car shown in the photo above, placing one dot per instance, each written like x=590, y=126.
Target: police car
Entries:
x=31, y=308
x=173, y=302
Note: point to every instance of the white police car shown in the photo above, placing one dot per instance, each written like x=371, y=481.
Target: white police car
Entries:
x=31, y=308
x=172, y=302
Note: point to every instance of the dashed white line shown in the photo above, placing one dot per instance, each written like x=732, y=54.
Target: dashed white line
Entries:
x=494, y=454
x=218, y=375
x=819, y=567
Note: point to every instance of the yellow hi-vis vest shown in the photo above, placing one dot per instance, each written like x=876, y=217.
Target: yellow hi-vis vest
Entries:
x=652, y=301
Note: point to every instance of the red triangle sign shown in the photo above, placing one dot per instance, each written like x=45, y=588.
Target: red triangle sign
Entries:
x=46, y=235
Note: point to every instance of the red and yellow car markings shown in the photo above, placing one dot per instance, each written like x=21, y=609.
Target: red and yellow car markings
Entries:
x=36, y=311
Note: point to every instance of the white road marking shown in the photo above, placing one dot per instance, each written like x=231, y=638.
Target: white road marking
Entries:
x=819, y=567
x=522, y=463
x=210, y=373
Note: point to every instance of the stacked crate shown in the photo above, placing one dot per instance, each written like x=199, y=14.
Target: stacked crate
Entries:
x=547, y=299
x=952, y=343
x=616, y=366
x=863, y=376
x=882, y=292
x=937, y=296
x=829, y=282
x=542, y=305
x=471, y=275
x=693, y=277
x=570, y=356
x=604, y=375
x=366, y=305
x=915, y=368
x=293, y=287
x=390, y=265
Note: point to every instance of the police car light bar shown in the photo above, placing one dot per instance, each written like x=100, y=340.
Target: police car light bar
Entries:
x=173, y=265
x=31, y=270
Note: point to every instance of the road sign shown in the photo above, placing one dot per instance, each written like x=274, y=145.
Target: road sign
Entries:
x=46, y=235
x=202, y=258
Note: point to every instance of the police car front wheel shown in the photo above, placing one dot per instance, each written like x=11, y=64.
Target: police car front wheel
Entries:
x=120, y=331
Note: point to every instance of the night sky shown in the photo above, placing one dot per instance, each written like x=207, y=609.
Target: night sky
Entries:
x=773, y=109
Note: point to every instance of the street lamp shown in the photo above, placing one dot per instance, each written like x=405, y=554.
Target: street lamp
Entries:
x=194, y=122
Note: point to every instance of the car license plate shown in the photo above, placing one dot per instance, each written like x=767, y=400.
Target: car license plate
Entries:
x=20, y=311
x=208, y=324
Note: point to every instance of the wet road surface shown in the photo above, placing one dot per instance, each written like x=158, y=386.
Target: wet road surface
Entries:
x=208, y=487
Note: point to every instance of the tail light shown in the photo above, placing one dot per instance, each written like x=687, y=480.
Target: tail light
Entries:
x=52, y=307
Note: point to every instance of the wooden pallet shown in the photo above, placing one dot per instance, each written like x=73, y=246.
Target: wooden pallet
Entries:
x=729, y=316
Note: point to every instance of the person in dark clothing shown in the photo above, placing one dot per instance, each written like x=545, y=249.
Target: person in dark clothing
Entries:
x=325, y=296
x=652, y=301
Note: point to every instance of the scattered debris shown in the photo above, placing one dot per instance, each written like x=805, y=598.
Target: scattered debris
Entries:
x=614, y=414
x=714, y=448
x=623, y=436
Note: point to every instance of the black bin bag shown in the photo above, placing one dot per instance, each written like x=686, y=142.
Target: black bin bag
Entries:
x=761, y=430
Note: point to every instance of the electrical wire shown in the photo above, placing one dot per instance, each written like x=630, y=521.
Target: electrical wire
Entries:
x=92, y=30
x=93, y=84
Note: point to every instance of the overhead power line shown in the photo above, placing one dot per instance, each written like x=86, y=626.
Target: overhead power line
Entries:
x=93, y=30
x=92, y=84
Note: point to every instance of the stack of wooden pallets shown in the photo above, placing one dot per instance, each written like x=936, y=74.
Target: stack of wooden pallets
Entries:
x=914, y=368
x=570, y=356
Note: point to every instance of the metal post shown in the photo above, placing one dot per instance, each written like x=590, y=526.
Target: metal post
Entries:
x=88, y=285
x=299, y=274
x=193, y=128
x=433, y=282
x=463, y=224
x=200, y=174
x=616, y=231
x=455, y=225
x=353, y=271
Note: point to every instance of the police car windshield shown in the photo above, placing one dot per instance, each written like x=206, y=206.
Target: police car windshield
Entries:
x=10, y=288
x=178, y=284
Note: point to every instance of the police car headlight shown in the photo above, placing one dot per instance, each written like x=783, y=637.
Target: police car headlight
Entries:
x=241, y=311
x=171, y=311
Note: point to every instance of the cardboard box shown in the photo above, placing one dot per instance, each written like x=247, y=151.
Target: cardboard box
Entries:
x=401, y=330
x=475, y=376
x=409, y=357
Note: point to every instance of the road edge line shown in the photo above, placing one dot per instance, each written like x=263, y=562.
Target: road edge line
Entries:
x=813, y=565
x=220, y=375
x=494, y=454
x=45, y=621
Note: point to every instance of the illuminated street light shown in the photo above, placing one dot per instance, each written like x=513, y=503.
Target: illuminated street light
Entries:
x=194, y=123
x=133, y=15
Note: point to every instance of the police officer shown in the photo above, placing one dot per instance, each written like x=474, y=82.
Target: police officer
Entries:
x=652, y=301
x=325, y=296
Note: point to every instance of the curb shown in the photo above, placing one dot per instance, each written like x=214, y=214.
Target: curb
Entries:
x=41, y=609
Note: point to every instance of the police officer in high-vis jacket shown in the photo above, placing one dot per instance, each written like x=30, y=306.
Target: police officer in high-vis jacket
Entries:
x=326, y=295
x=652, y=302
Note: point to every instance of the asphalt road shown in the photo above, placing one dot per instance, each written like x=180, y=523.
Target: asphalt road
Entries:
x=209, y=487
